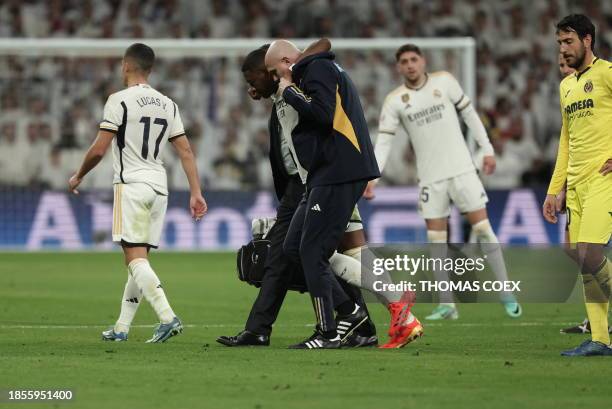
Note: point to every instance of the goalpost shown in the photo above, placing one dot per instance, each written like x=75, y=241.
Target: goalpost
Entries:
x=180, y=48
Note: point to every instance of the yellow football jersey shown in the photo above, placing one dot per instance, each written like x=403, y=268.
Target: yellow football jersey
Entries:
x=586, y=135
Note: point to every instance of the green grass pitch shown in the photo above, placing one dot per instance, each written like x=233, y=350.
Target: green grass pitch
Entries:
x=54, y=306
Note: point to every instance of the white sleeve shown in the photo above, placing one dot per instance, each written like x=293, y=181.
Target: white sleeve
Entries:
x=177, y=125
x=470, y=116
x=387, y=126
x=473, y=122
x=382, y=149
x=113, y=116
x=455, y=92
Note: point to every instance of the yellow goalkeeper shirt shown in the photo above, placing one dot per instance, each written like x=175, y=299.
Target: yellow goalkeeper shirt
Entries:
x=586, y=135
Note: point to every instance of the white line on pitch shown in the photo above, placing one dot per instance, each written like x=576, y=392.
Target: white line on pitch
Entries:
x=446, y=324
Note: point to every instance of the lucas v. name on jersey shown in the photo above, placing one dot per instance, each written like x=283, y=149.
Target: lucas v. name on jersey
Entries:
x=144, y=101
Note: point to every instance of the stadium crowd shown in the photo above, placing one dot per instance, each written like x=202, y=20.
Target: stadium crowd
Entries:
x=50, y=107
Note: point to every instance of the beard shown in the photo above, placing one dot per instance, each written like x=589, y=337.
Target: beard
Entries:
x=579, y=59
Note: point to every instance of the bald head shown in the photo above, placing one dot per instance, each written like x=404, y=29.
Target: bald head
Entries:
x=280, y=56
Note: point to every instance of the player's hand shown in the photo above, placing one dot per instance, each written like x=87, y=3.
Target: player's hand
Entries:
x=606, y=168
x=318, y=46
x=549, y=209
x=368, y=193
x=73, y=183
x=283, y=83
x=253, y=94
x=198, y=207
x=488, y=164
x=560, y=201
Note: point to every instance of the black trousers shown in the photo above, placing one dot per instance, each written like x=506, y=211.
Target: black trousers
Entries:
x=279, y=269
x=314, y=235
x=277, y=275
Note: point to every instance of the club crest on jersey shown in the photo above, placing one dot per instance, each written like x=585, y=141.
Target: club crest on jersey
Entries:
x=437, y=93
x=405, y=99
x=588, y=86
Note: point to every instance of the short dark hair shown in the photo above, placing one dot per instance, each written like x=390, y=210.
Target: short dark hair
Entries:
x=255, y=59
x=407, y=48
x=142, y=55
x=580, y=24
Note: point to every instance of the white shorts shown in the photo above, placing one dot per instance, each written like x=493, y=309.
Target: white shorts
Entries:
x=465, y=191
x=138, y=214
x=355, y=223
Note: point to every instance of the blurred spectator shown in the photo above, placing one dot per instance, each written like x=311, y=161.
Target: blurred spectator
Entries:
x=506, y=121
x=508, y=170
x=13, y=154
x=259, y=165
x=447, y=23
x=221, y=24
x=518, y=41
x=229, y=169
x=54, y=173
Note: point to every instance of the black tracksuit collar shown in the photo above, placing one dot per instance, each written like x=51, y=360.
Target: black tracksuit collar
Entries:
x=298, y=69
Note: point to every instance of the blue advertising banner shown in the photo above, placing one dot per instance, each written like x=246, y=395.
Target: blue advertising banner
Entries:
x=32, y=220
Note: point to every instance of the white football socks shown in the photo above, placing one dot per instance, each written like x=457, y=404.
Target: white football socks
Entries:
x=348, y=267
x=129, y=305
x=151, y=288
x=438, y=251
x=489, y=245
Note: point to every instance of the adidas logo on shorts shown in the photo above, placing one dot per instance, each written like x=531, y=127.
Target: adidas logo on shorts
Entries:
x=316, y=208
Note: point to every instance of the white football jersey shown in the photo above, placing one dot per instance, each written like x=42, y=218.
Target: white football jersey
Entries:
x=288, y=118
x=429, y=116
x=143, y=120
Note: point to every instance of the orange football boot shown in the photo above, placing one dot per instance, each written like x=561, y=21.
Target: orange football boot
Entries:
x=405, y=334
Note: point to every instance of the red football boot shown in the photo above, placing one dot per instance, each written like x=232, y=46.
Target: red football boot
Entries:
x=400, y=311
x=405, y=334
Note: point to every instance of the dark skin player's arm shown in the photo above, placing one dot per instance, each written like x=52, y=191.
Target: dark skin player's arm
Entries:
x=319, y=46
x=319, y=104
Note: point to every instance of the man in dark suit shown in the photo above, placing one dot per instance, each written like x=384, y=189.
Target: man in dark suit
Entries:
x=279, y=269
x=332, y=142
